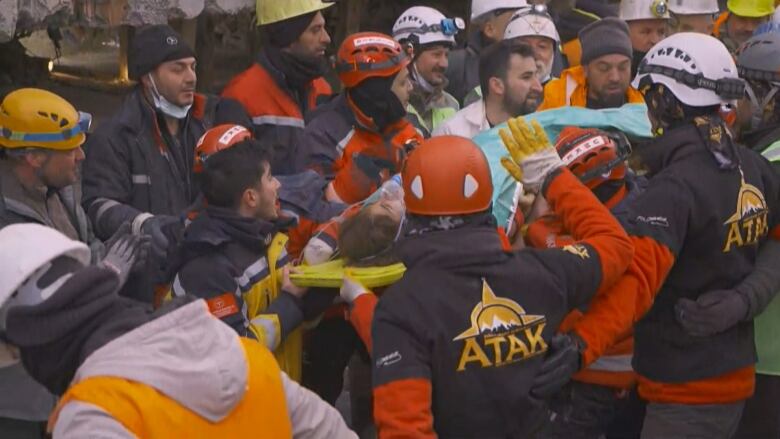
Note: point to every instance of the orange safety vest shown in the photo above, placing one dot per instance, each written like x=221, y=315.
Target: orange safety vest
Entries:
x=571, y=89
x=147, y=413
x=267, y=103
x=369, y=159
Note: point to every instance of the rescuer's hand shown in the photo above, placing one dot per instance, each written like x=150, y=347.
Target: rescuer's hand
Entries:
x=563, y=360
x=531, y=155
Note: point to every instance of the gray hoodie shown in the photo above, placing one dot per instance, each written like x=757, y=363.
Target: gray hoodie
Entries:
x=196, y=360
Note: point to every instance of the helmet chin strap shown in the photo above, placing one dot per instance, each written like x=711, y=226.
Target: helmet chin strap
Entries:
x=758, y=107
x=422, y=81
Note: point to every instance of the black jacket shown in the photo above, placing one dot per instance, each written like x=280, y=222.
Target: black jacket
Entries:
x=328, y=130
x=225, y=261
x=475, y=321
x=130, y=168
x=463, y=69
x=713, y=222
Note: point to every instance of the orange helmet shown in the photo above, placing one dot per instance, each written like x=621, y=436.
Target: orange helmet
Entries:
x=216, y=139
x=593, y=155
x=447, y=175
x=367, y=55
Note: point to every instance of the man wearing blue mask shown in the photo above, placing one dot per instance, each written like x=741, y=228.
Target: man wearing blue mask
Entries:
x=138, y=167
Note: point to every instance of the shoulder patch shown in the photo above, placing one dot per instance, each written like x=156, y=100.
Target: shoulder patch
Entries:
x=577, y=250
x=223, y=305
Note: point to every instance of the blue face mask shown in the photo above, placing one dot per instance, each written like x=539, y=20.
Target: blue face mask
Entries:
x=164, y=105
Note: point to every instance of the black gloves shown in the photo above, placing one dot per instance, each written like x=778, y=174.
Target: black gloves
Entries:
x=159, y=228
x=712, y=313
x=563, y=360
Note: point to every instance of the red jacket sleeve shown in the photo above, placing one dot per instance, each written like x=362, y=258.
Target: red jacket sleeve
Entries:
x=658, y=225
x=613, y=313
x=402, y=409
x=590, y=222
x=361, y=314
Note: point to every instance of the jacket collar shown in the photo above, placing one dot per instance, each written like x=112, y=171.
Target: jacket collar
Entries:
x=138, y=115
x=476, y=115
x=458, y=249
x=675, y=145
x=216, y=226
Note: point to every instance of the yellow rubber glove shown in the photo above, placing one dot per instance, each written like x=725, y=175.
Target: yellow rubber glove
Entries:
x=531, y=155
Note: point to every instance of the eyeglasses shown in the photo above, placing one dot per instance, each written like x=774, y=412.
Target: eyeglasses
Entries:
x=83, y=125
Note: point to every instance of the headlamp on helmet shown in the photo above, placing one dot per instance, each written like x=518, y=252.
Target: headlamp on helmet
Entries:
x=726, y=88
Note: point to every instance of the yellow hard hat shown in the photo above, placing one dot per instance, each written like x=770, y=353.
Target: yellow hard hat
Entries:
x=272, y=11
x=751, y=8
x=35, y=118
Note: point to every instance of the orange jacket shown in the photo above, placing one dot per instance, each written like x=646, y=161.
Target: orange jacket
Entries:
x=572, y=50
x=571, y=89
x=370, y=158
x=277, y=116
x=613, y=368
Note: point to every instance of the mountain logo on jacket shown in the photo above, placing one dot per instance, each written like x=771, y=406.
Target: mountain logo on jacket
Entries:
x=750, y=221
x=501, y=333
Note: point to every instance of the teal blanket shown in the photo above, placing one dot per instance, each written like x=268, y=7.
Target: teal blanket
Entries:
x=631, y=119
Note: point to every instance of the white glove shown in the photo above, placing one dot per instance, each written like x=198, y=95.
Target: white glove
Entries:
x=531, y=155
x=351, y=289
x=317, y=252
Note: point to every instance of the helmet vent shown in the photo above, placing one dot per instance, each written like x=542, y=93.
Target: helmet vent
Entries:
x=470, y=185
x=417, y=187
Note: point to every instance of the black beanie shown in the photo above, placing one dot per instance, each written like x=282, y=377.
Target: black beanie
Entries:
x=375, y=98
x=605, y=37
x=283, y=33
x=154, y=45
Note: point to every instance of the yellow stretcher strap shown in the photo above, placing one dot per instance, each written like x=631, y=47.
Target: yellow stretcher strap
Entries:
x=331, y=274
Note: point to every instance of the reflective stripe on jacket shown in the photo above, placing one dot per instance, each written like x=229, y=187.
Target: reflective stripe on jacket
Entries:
x=369, y=159
x=276, y=113
x=243, y=289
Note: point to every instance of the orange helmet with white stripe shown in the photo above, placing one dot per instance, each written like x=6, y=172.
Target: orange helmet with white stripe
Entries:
x=368, y=55
x=216, y=139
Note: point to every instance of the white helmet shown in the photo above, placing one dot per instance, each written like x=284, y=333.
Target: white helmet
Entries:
x=531, y=21
x=272, y=11
x=482, y=7
x=423, y=25
x=644, y=10
x=29, y=247
x=694, y=7
x=696, y=68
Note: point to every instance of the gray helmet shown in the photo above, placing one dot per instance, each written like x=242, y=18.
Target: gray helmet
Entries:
x=758, y=61
x=759, y=58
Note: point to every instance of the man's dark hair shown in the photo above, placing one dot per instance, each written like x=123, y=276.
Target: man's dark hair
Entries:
x=228, y=173
x=494, y=61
